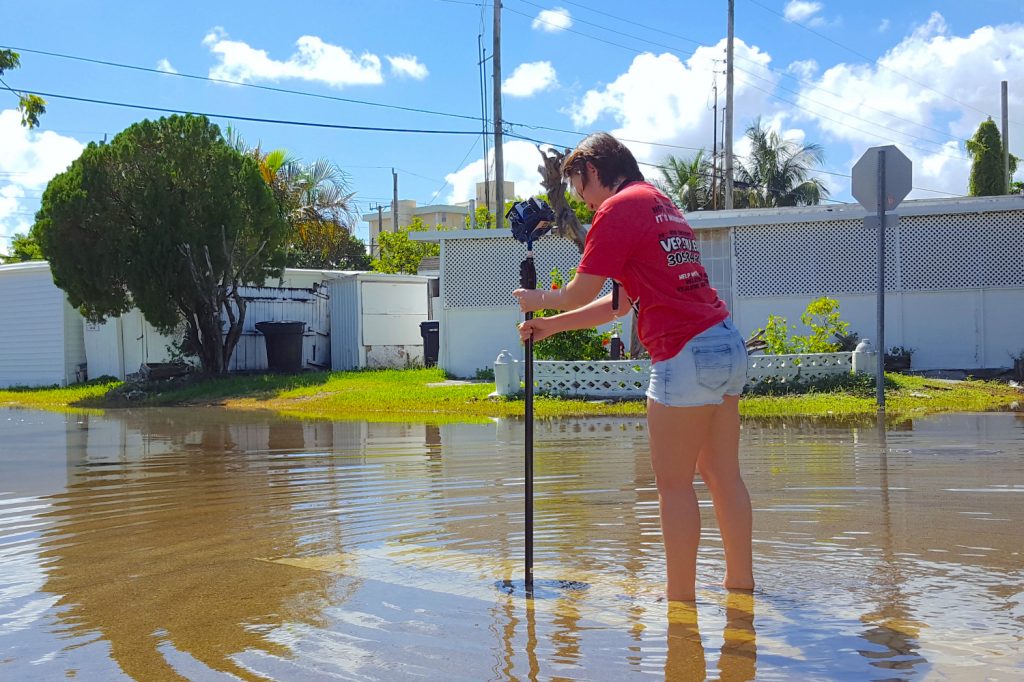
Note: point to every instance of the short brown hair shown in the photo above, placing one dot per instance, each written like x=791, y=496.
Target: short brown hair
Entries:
x=611, y=158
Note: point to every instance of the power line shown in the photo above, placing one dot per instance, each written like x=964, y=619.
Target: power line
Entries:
x=225, y=81
x=254, y=119
x=302, y=93
x=860, y=130
x=881, y=66
x=447, y=182
x=473, y=118
x=754, y=75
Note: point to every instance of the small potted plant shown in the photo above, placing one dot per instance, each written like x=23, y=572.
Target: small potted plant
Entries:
x=897, y=359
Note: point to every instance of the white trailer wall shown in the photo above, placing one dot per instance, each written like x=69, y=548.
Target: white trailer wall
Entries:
x=41, y=339
x=954, y=283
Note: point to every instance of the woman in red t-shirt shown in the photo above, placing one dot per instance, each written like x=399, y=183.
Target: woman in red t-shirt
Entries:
x=641, y=241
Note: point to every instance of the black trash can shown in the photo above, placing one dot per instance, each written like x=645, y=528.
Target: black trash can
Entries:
x=284, y=344
x=430, y=331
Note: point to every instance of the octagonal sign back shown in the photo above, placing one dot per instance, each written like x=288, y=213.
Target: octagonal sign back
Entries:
x=898, y=177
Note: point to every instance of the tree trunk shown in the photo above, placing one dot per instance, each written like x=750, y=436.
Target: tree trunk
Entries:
x=567, y=225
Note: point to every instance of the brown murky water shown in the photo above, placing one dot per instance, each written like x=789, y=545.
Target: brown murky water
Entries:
x=214, y=545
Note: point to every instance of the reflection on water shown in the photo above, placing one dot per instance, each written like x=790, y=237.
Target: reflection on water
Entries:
x=207, y=544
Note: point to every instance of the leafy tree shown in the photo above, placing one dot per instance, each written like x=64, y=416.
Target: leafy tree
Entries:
x=31, y=106
x=342, y=252
x=583, y=214
x=23, y=247
x=987, y=178
x=777, y=172
x=484, y=219
x=170, y=219
x=399, y=254
x=317, y=203
x=687, y=182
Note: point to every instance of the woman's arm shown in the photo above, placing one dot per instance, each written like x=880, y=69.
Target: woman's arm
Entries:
x=591, y=315
x=579, y=292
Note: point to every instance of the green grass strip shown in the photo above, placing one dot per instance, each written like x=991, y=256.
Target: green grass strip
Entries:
x=424, y=395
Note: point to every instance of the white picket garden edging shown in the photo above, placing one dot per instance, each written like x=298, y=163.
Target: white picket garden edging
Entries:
x=628, y=378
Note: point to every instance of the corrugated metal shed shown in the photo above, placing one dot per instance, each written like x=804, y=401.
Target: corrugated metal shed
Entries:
x=375, y=320
x=41, y=339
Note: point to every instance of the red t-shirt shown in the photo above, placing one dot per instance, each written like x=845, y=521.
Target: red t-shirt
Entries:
x=640, y=239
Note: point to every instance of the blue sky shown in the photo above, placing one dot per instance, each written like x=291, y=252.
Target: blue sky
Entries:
x=921, y=75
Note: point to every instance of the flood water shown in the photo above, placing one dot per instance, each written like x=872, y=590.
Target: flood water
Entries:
x=216, y=545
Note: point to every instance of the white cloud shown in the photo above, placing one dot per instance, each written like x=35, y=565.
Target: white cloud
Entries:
x=165, y=66
x=552, y=20
x=884, y=26
x=408, y=65
x=29, y=161
x=664, y=100
x=800, y=11
x=521, y=162
x=803, y=69
x=529, y=79
x=314, y=60
x=926, y=85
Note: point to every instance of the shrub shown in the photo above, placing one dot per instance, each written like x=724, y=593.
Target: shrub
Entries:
x=576, y=344
x=860, y=384
x=822, y=317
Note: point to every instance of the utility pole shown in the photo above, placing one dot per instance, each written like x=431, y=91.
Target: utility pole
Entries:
x=714, y=153
x=499, y=160
x=375, y=245
x=728, y=108
x=394, y=202
x=1006, y=138
x=482, y=53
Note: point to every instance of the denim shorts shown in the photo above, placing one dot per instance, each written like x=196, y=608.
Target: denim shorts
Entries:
x=711, y=365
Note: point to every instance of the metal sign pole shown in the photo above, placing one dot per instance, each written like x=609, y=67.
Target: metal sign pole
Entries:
x=881, y=180
x=880, y=370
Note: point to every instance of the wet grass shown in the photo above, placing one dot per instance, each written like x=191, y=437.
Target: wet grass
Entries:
x=59, y=398
x=425, y=395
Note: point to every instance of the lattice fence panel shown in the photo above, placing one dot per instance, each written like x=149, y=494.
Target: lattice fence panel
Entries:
x=835, y=256
x=963, y=250
x=483, y=272
x=716, y=257
x=933, y=252
x=803, y=366
x=596, y=379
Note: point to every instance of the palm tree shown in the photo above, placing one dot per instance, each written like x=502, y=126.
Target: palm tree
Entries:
x=687, y=182
x=315, y=199
x=777, y=172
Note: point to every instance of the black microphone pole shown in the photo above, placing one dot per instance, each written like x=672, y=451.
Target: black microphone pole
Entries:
x=528, y=280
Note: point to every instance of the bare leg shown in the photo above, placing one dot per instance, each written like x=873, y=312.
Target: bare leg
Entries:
x=677, y=435
x=719, y=466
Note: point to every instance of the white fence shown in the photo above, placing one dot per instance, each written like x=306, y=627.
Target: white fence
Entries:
x=594, y=378
x=311, y=306
x=802, y=366
x=629, y=378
